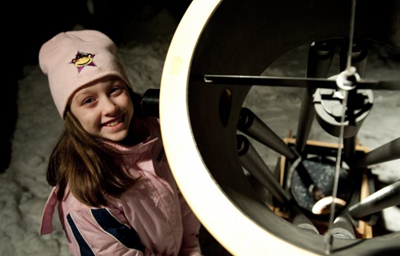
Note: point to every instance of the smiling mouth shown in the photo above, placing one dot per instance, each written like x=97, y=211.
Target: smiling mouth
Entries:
x=113, y=123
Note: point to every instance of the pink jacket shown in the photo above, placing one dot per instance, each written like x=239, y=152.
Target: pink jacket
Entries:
x=152, y=218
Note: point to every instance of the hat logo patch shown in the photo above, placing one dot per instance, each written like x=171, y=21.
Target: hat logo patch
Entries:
x=83, y=59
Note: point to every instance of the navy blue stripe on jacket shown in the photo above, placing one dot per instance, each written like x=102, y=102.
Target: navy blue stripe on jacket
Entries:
x=83, y=246
x=126, y=235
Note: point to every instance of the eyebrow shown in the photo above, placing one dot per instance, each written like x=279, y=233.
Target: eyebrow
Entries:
x=82, y=92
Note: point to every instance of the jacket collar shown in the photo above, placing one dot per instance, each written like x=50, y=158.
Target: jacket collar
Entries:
x=46, y=225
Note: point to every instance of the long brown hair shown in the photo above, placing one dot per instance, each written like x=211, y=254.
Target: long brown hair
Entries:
x=93, y=170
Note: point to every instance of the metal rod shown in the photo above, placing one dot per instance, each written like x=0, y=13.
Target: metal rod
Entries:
x=255, y=165
x=306, y=118
x=301, y=221
x=343, y=228
x=349, y=145
x=328, y=236
x=336, y=180
x=351, y=34
x=376, y=202
x=359, y=57
x=387, y=152
x=299, y=82
x=359, y=54
x=320, y=57
x=252, y=125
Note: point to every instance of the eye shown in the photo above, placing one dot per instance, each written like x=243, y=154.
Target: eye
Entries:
x=88, y=101
x=116, y=90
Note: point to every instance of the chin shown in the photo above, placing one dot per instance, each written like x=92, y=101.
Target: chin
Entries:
x=117, y=137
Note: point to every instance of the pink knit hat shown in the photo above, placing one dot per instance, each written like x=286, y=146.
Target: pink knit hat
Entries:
x=75, y=58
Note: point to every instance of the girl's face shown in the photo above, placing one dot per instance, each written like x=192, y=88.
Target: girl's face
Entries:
x=104, y=108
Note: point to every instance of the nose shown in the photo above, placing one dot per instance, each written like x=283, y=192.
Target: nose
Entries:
x=109, y=107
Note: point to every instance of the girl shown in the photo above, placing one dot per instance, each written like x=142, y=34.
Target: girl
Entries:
x=115, y=192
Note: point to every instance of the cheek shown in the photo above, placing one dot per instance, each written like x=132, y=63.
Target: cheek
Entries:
x=88, y=119
x=132, y=109
x=128, y=104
